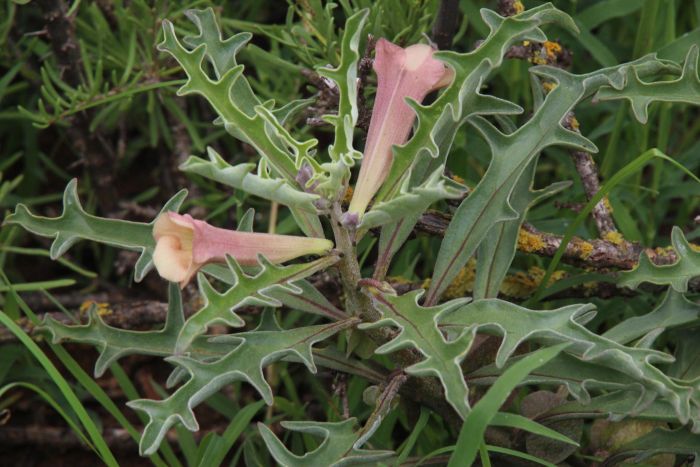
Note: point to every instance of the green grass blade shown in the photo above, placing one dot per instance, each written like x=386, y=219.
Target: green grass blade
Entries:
x=512, y=420
x=81, y=376
x=521, y=455
x=216, y=452
x=619, y=176
x=55, y=405
x=41, y=252
x=41, y=285
x=100, y=444
x=413, y=437
x=472, y=432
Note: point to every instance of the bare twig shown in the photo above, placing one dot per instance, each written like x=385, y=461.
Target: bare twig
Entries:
x=597, y=254
x=446, y=23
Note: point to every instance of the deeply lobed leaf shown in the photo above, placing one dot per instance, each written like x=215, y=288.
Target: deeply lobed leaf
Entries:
x=252, y=352
x=74, y=224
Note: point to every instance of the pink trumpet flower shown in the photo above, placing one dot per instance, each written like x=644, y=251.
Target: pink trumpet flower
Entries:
x=401, y=73
x=184, y=245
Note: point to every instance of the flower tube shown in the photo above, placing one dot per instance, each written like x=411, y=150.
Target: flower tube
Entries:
x=184, y=245
x=401, y=73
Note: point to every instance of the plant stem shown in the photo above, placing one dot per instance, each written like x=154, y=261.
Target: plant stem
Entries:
x=425, y=391
x=357, y=304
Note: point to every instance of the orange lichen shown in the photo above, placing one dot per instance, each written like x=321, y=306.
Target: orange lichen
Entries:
x=529, y=242
x=537, y=59
x=551, y=49
x=348, y=195
x=519, y=285
x=585, y=248
x=615, y=238
x=102, y=307
x=458, y=179
x=523, y=284
x=399, y=280
x=608, y=206
x=463, y=284
x=549, y=86
x=574, y=123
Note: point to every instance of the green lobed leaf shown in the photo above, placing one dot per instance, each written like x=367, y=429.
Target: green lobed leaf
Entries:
x=674, y=310
x=518, y=325
x=114, y=343
x=495, y=256
x=659, y=441
x=412, y=201
x=677, y=275
x=241, y=177
x=341, y=445
x=253, y=351
x=247, y=290
x=75, y=224
x=685, y=89
x=235, y=112
x=309, y=300
x=345, y=78
x=221, y=53
x=418, y=328
x=332, y=176
x=489, y=202
x=486, y=409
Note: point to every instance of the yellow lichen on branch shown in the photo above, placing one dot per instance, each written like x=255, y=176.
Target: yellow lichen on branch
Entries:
x=529, y=242
x=103, y=308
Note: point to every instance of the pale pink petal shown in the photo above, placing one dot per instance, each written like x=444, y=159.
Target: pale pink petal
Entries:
x=401, y=73
x=184, y=245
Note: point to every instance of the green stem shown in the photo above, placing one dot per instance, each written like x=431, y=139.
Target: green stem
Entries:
x=357, y=304
x=425, y=391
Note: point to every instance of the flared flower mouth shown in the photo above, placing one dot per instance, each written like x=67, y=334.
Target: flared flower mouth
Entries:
x=173, y=258
x=412, y=72
x=184, y=245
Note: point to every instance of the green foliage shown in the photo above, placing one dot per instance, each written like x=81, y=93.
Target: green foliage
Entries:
x=418, y=327
x=341, y=445
x=75, y=224
x=676, y=275
x=613, y=357
x=512, y=152
x=246, y=291
x=241, y=178
x=251, y=352
x=115, y=343
x=684, y=89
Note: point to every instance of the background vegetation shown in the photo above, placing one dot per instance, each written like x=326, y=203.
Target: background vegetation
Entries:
x=85, y=94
